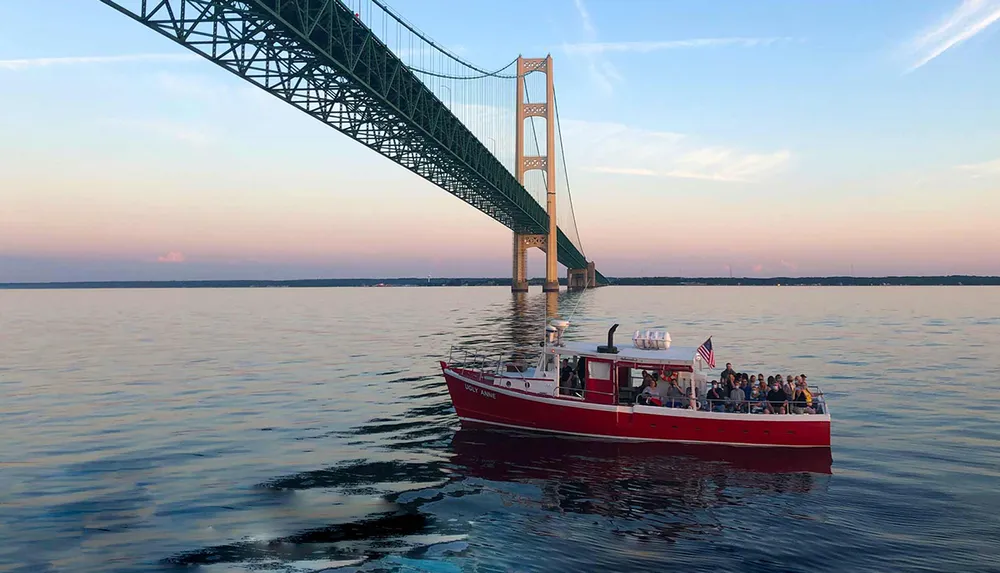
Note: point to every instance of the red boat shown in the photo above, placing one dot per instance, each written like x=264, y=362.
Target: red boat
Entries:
x=598, y=398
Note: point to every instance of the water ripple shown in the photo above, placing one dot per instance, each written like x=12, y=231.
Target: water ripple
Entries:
x=302, y=430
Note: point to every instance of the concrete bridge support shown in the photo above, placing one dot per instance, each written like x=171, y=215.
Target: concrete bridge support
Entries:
x=547, y=163
x=521, y=245
x=579, y=279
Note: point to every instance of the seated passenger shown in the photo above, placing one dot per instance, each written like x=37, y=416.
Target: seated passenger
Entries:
x=675, y=396
x=802, y=401
x=788, y=386
x=757, y=396
x=737, y=397
x=716, y=399
x=646, y=378
x=652, y=395
x=776, y=399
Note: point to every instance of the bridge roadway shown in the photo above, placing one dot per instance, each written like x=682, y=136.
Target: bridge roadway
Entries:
x=317, y=56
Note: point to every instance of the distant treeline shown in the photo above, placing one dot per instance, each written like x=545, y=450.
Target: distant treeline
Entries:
x=952, y=280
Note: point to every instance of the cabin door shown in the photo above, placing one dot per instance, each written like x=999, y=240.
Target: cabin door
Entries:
x=600, y=381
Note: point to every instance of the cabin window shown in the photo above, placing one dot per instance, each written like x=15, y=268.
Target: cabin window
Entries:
x=600, y=370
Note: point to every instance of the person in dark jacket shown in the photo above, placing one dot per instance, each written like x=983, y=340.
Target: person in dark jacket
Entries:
x=776, y=399
x=716, y=399
x=724, y=377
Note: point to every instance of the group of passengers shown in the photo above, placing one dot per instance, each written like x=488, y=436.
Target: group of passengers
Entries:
x=664, y=391
x=734, y=392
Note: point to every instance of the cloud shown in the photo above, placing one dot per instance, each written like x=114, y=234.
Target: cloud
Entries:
x=601, y=71
x=588, y=25
x=970, y=18
x=789, y=265
x=758, y=268
x=618, y=149
x=30, y=63
x=171, y=257
x=984, y=169
x=656, y=46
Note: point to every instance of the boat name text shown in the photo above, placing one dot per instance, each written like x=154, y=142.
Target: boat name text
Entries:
x=483, y=393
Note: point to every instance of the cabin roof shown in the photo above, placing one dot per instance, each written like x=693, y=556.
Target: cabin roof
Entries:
x=628, y=352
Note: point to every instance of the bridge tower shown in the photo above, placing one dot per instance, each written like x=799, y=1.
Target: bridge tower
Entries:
x=547, y=163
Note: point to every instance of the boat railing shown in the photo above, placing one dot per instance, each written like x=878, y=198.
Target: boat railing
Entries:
x=757, y=405
x=510, y=363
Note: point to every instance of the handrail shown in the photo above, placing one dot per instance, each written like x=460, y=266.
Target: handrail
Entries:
x=757, y=405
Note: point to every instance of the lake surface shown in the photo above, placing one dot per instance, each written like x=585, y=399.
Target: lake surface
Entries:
x=308, y=429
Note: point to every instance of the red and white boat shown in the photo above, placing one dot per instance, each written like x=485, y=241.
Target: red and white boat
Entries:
x=506, y=391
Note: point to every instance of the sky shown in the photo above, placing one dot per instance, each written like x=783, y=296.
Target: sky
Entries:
x=703, y=138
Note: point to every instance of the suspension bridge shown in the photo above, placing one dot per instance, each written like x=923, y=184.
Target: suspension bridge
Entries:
x=490, y=137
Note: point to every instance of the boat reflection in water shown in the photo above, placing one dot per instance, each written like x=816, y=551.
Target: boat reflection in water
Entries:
x=633, y=480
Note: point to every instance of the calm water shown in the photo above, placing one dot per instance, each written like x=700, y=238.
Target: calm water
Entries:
x=306, y=429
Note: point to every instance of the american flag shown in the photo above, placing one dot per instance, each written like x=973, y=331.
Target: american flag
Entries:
x=706, y=352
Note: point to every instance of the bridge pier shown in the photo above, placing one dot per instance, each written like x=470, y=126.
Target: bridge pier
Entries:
x=522, y=243
x=580, y=279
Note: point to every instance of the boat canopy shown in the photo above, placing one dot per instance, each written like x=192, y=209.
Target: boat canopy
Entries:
x=675, y=355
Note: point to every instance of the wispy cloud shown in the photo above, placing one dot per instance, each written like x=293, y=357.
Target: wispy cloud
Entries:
x=656, y=46
x=968, y=19
x=588, y=25
x=30, y=63
x=984, y=169
x=618, y=149
x=603, y=73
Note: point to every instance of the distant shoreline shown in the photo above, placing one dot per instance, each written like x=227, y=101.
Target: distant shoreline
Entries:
x=951, y=280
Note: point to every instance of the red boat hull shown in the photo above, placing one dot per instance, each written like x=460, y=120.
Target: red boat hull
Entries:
x=478, y=401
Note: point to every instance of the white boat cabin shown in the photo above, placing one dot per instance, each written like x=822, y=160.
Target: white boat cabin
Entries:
x=604, y=374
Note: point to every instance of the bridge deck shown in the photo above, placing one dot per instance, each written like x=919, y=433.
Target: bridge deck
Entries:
x=317, y=56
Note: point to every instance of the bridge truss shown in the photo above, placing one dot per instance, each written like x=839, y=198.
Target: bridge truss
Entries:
x=318, y=56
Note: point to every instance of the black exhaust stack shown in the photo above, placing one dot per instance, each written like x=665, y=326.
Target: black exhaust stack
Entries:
x=610, y=348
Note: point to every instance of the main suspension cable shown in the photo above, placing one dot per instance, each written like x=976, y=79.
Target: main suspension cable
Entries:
x=555, y=102
x=419, y=34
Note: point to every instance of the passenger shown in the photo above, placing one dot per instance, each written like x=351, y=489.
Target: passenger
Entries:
x=716, y=399
x=788, y=386
x=724, y=377
x=757, y=398
x=730, y=383
x=747, y=390
x=653, y=394
x=776, y=399
x=576, y=385
x=646, y=379
x=817, y=403
x=675, y=396
x=802, y=402
x=736, y=399
x=564, y=373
